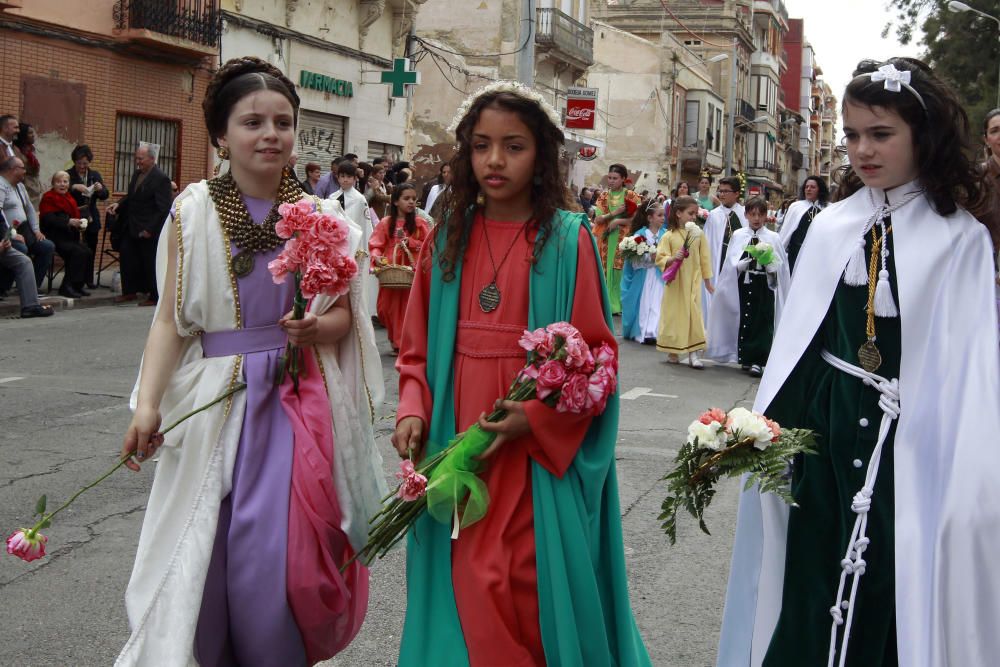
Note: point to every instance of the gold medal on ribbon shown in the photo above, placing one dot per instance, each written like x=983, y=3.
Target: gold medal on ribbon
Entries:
x=869, y=356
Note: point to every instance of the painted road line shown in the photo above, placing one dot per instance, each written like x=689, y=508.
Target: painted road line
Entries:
x=638, y=392
x=10, y=379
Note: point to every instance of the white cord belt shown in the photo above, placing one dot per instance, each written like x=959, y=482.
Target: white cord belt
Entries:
x=853, y=563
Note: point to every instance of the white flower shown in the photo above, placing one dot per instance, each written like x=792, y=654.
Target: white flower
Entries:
x=628, y=244
x=764, y=247
x=745, y=424
x=642, y=248
x=693, y=230
x=712, y=436
x=514, y=88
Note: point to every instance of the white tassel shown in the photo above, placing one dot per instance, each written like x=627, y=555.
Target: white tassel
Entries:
x=856, y=273
x=885, y=305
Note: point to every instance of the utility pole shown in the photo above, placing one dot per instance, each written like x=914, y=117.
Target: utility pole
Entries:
x=526, y=41
x=731, y=126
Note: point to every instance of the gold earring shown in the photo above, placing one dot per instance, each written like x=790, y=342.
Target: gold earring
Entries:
x=223, y=153
x=481, y=198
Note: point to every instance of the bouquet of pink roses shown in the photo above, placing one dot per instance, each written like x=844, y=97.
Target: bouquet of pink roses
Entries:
x=730, y=445
x=562, y=371
x=317, y=254
x=671, y=271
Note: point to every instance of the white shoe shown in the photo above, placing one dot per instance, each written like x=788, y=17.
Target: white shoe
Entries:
x=673, y=359
x=694, y=361
x=756, y=371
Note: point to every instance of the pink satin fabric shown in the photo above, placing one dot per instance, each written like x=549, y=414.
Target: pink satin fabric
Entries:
x=329, y=607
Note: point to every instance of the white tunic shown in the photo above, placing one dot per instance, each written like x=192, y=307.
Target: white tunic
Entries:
x=946, y=453
x=194, y=472
x=715, y=233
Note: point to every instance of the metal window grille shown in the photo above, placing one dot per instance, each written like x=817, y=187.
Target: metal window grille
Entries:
x=129, y=131
x=195, y=20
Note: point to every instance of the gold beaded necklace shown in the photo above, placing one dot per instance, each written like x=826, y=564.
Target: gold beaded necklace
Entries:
x=248, y=237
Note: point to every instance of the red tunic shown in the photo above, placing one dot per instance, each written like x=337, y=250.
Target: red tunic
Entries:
x=391, y=303
x=493, y=561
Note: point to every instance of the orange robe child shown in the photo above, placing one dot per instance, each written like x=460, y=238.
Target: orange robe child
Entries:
x=387, y=247
x=493, y=566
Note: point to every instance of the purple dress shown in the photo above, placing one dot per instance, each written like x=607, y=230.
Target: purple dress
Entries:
x=245, y=617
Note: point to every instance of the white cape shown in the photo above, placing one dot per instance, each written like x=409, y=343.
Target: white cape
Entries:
x=793, y=216
x=715, y=232
x=724, y=319
x=195, y=466
x=357, y=211
x=947, y=498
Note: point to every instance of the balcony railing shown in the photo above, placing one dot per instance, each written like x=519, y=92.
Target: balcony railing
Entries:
x=747, y=111
x=197, y=21
x=765, y=165
x=560, y=32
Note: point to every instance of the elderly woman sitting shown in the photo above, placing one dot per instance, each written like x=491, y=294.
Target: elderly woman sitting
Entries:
x=62, y=223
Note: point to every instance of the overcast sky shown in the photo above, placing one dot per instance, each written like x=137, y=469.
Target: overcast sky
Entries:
x=845, y=32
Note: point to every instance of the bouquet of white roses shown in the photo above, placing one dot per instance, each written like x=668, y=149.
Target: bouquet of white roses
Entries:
x=730, y=445
x=636, y=249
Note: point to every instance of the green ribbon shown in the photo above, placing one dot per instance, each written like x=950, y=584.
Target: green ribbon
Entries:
x=454, y=487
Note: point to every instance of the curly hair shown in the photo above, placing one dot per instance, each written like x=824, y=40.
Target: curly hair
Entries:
x=548, y=191
x=941, y=136
x=824, y=191
x=235, y=80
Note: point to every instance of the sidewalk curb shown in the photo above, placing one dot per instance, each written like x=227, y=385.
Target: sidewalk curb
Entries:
x=10, y=307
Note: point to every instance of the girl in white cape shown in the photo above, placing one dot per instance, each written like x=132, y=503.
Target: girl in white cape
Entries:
x=258, y=501
x=887, y=348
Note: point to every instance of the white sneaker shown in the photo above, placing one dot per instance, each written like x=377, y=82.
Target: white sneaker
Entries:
x=756, y=371
x=694, y=361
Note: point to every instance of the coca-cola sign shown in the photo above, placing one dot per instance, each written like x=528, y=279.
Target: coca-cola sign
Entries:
x=581, y=108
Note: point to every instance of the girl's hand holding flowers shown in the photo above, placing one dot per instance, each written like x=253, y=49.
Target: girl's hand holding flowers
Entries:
x=409, y=437
x=302, y=332
x=511, y=427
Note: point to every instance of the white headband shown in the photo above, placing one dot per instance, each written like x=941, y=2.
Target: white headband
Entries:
x=894, y=80
x=512, y=87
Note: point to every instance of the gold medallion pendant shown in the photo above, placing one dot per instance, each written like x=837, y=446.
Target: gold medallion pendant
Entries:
x=489, y=298
x=242, y=263
x=869, y=356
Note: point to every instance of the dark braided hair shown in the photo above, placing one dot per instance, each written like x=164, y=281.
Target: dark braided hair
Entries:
x=548, y=191
x=235, y=80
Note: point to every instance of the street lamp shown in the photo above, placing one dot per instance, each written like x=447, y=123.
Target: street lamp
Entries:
x=957, y=7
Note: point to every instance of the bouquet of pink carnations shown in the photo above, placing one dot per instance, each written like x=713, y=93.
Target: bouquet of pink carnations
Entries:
x=562, y=371
x=702, y=216
x=730, y=445
x=692, y=233
x=317, y=253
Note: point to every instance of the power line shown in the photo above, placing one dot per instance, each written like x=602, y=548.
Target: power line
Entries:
x=528, y=38
x=688, y=30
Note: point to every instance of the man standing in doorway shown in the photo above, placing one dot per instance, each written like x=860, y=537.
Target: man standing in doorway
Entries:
x=144, y=210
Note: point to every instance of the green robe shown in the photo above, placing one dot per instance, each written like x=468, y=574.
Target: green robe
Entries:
x=834, y=405
x=584, y=611
x=756, y=315
x=799, y=236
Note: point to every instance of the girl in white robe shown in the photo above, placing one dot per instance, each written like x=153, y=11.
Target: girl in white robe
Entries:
x=889, y=556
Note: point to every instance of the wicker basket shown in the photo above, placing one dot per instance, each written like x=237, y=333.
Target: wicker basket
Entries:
x=396, y=276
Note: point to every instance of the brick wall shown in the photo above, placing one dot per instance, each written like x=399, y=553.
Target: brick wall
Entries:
x=115, y=82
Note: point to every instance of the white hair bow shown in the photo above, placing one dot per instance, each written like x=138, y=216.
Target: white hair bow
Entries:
x=892, y=77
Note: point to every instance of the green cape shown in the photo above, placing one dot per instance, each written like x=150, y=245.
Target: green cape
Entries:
x=584, y=611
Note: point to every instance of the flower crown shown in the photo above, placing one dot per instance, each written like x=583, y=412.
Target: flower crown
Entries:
x=894, y=80
x=512, y=87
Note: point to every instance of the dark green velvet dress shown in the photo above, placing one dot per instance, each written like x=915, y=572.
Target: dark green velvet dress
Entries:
x=845, y=416
x=734, y=226
x=756, y=314
x=799, y=236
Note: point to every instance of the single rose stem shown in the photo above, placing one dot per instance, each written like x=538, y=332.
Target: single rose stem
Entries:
x=123, y=460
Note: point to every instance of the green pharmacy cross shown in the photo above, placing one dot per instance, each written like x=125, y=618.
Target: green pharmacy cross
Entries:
x=400, y=77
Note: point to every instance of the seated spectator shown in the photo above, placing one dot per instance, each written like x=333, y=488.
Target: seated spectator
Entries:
x=313, y=174
x=62, y=221
x=24, y=147
x=87, y=187
x=20, y=215
x=18, y=263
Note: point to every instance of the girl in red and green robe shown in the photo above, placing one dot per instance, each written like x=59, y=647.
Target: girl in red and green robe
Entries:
x=615, y=208
x=540, y=580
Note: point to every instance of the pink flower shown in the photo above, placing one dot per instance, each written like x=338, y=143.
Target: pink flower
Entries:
x=27, y=545
x=600, y=386
x=279, y=269
x=529, y=372
x=330, y=279
x=605, y=355
x=574, y=395
x=294, y=217
x=551, y=377
x=414, y=485
x=713, y=415
x=577, y=353
x=296, y=252
x=775, y=428
x=328, y=229
x=538, y=341
x=564, y=330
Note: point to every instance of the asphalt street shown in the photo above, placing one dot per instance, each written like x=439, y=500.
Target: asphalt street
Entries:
x=64, y=386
